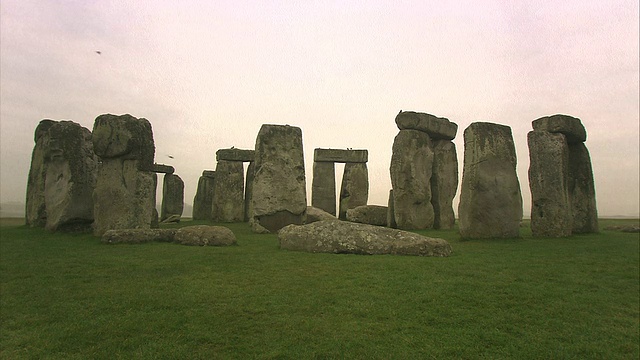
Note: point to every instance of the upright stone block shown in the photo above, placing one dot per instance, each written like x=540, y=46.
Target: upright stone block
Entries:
x=444, y=183
x=248, y=191
x=582, y=190
x=279, y=187
x=354, y=190
x=125, y=193
x=35, y=209
x=71, y=172
x=391, y=215
x=172, y=197
x=228, y=202
x=323, y=188
x=490, y=198
x=549, y=184
x=411, y=170
x=203, y=200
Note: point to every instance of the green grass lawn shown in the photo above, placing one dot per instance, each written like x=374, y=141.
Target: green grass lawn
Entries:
x=71, y=297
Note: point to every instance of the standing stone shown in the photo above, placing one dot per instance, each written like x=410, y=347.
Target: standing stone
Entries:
x=248, y=190
x=582, y=190
x=391, y=215
x=172, y=197
x=444, y=183
x=490, y=198
x=35, y=210
x=354, y=190
x=279, y=187
x=411, y=169
x=549, y=183
x=228, y=202
x=203, y=201
x=125, y=193
x=323, y=188
x=71, y=169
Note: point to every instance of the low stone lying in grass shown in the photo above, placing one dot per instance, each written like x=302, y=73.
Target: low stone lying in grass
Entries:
x=353, y=238
x=199, y=235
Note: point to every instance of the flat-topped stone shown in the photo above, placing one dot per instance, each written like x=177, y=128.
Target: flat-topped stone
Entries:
x=209, y=173
x=571, y=127
x=340, y=155
x=234, y=154
x=162, y=169
x=437, y=128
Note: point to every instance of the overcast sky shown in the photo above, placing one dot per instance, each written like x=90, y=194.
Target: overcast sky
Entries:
x=207, y=74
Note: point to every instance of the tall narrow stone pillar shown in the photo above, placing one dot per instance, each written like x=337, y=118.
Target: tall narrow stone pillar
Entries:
x=203, y=200
x=323, y=188
x=228, y=202
x=172, y=196
x=354, y=190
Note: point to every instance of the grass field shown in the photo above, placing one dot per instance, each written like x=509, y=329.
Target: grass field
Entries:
x=71, y=297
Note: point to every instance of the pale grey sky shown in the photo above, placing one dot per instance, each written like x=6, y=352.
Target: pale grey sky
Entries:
x=207, y=74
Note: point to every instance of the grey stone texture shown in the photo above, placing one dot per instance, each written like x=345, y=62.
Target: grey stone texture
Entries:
x=172, y=197
x=279, y=186
x=314, y=214
x=354, y=191
x=342, y=237
x=205, y=235
x=323, y=188
x=411, y=169
x=125, y=193
x=71, y=170
x=228, y=199
x=391, y=214
x=549, y=184
x=368, y=214
x=340, y=155
x=35, y=209
x=234, y=154
x=444, y=183
x=203, y=200
x=248, y=191
x=570, y=126
x=437, y=128
x=138, y=236
x=490, y=198
x=582, y=190
x=162, y=169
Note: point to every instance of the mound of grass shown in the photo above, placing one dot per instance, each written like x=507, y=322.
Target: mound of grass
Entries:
x=71, y=297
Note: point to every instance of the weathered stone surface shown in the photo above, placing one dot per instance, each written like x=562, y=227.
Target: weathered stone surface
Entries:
x=138, y=236
x=368, y=214
x=571, y=127
x=35, y=209
x=228, y=201
x=582, y=190
x=490, y=198
x=172, y=197
x=314, y=214
x=354, y=191
x=340, y=155
x=279, y=187
x=437, y=128
x=549, y=184
x=234, y=154
x=444, y=183
x=205, y=235
x=203, y=201
x=391, y=215
x=125, y=193
x=163, y=169
x=124, y=197
x=209, y=173
x=323, y=188
x=71, y=170
x=353, y=238
x=248, y=191
x=124, y=137
x=411, y=170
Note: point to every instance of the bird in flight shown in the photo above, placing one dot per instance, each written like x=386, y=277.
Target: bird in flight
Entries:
x=98, y=52
x=170, y=157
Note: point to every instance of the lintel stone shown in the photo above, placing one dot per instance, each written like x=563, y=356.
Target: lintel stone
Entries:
x=234, y=154
x=340, y=155
x=163, y=169
x=437, y=128
x=570, y=126
x=209, y=173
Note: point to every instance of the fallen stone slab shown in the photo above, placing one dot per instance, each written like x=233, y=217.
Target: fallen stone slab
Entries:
x=368, y=214
x=340, y=155
x=341, y=237
x=437, y=128
x=205, y=235
x=138, y=236
x=570, y=126
x=234, y=154
x=314, y=214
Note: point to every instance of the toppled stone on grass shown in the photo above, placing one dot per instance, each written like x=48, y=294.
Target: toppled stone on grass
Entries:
x=198, y=235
